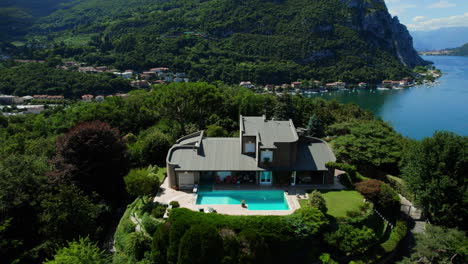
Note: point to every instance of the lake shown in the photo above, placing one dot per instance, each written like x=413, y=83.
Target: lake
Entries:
x=419, y=111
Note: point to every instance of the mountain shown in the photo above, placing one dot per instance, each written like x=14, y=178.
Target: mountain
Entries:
x=461, y=51
x=16, y=16
x=265, y=41
x=443, y=38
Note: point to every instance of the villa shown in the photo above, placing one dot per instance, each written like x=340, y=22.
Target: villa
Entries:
x=266, y=153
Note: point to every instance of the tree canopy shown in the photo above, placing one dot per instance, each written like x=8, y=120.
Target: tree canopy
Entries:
x=93, y=156
x=435, y=170
x=83, y=251
x=373, y=146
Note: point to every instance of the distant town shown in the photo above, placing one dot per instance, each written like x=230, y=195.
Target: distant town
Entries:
x=35, y=104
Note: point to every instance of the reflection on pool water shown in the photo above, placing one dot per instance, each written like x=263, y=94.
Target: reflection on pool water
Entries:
x=255, y=200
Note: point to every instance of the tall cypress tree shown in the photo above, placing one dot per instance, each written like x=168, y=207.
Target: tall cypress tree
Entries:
x=315, y=127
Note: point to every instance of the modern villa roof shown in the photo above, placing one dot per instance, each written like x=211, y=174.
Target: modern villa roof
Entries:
x=269, y=132
x=195, y=153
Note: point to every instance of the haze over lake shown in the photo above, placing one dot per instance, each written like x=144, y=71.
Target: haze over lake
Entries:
x=419, y=111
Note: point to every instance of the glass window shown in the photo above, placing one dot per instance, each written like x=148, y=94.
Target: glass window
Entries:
x=250, y=147
x=267, y=155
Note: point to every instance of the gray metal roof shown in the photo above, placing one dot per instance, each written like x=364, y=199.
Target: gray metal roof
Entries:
x=269, y=131
x=313, y=156
x=215, y=154
x=224, y=154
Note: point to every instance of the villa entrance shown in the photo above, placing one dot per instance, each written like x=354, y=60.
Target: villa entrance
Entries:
x=266, y=177
x=228, y=177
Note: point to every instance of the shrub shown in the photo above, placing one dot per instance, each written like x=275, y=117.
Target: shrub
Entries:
x=216, y=131
x=144, y=181
x=399, y=186
x=277, y=231
x=396, y=235
x=160, y=244
x=316, y=200
x=351, y=175
x=307, y=222
x=81, y=251
x=383, y=196
x=136, y=244
x=325, y=258
x=150, y=224
x=252, y=247
x=150, y=148
x=125, y=227
x=370, y=189
x=388, y=200
x=158, y=211
x=174, y=204
x=359, y=217
x=200, y=244
x=351, y=240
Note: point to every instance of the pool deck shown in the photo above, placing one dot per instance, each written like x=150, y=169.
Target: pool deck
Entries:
x=187, y=199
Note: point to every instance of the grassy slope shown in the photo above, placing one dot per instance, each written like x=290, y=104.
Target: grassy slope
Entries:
x=340, y=202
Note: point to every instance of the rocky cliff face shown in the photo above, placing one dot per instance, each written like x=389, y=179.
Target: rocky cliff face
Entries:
x=372, y=19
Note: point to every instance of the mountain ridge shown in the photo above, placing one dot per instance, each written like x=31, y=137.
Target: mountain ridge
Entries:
x=266, y=41
x=443, y=38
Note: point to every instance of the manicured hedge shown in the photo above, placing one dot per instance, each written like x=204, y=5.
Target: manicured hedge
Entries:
x=351, y=175
x=397, y=234
x=278, y=232
x=399, y=185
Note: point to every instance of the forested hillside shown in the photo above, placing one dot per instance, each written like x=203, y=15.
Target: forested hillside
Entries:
x=16, y=16
x=258, y=40
x=35, y=78
x=461, y=51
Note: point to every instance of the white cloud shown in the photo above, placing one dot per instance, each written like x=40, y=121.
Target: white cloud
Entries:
x=436, y=23
x=399, y=9
x=442, y=4
x=419, y=18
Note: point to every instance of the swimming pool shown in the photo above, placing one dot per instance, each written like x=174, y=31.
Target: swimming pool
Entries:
x=255, y=200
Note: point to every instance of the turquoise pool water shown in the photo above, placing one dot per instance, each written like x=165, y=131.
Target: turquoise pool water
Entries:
x=255, y=200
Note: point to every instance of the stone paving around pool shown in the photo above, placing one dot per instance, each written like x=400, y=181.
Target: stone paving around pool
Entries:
x=188, y=199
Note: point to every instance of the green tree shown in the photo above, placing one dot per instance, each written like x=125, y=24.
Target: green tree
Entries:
x=200, y=244
x=253, y=248
x=381, y=194
x=68, y=213
x=216, y=131
x=188, y=103
x=141, y=182
x=82, y=251
x=284, y=109
x=160, y=244
x=150, y=148
x=435, y=172
x=315, y=127
x=22, y=180
x=439, y=245
x=316, y=200
x=351, y=240
x=372, y=146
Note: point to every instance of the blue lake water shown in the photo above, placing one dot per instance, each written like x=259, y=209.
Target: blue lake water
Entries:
x=255, y=200
x=419, y=111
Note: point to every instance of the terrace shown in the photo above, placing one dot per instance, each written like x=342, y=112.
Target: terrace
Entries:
x=292, y=196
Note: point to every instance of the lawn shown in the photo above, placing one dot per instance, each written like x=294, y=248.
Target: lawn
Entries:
x=339, y=202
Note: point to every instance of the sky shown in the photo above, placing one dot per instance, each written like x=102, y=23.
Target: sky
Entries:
x=425, y=15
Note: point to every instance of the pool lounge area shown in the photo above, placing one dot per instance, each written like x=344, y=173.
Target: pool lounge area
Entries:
x=188, y=199
x=255, y=200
